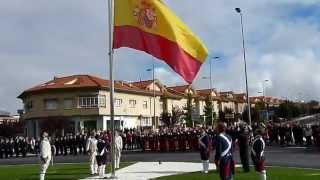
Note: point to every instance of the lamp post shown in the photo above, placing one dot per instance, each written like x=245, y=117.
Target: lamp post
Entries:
x=238, y=10
x=154, y=94
x=264, y=97
x=211, y=87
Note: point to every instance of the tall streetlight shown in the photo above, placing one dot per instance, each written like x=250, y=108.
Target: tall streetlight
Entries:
x=211, y=87
x=264, y=97
x=238, y=10
x=154, y=94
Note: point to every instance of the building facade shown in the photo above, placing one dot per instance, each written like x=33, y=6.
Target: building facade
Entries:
x=74, y=103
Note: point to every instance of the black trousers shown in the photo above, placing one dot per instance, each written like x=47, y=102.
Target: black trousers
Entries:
x=244, y=157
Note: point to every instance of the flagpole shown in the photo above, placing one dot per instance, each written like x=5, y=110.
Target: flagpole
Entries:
x=111, y=52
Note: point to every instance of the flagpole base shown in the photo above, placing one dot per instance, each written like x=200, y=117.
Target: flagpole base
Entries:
x=112, y=177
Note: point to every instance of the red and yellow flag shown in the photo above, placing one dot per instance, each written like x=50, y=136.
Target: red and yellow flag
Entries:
x=150, y=26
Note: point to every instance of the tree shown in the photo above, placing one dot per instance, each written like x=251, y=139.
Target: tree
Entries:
x=172, y=119
x=188, y=111
x=209, y=111
x=290, y=110
x=176, y=116
x=165, y=118
x=254, y=115
x=222, y=117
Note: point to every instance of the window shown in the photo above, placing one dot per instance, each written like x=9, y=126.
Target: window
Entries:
x=68, y=103
x=145, y=104
x=132, y=103
x=28, y=106
x=118, y=102
x=51, y=104
x=161, y=106
x=102, y=101
x=92, y=101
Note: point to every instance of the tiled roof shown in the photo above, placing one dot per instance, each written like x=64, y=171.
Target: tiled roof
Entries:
x=165, y=92
x=180, y=89
x=205, y=92
x=267, y=99
x=84, y=81
x=142, y=84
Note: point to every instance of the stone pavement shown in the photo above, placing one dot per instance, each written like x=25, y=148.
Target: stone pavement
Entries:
x=151, y=170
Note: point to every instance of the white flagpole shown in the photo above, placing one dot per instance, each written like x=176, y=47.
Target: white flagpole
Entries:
x=111, y=52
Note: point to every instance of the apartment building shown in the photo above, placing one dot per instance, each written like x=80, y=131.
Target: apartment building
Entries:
x=72, y=103
x=69, y=104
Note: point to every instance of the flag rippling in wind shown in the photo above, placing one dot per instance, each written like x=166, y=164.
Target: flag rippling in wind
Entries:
x=150, y=26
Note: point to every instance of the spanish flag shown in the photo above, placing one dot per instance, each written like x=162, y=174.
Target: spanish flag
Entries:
x=150, y=26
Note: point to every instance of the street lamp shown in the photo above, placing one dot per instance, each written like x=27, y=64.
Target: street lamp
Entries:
x=264, y=97
x=238, y=10
x=211, y=87
x=154, y=94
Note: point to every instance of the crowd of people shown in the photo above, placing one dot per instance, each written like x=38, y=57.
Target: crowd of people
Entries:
x=182, y=139
x=16, y=147
x=288, y=135
x=160, y=140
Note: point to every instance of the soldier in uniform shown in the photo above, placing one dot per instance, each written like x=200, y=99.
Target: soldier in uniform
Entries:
x=172, y=141
x=57, y=145
x=91, y=149
x=182, y=141
x=7, y=148
x=71, y=144
x=74, y=145
x=101, y=156
x=243, y=139
x=79, y=142
x=23, y=146
x=224, y=157
x=257, y=154
x=66, y=146
x=62, y=145
x=10, y=146
x=118, y=149
x=162, y=142
x=37, y=146
x=2, y=148
x=204, y=150
x=151, y=142
x=83, y=143
x=32, y=145
x=16, y=147
x=45, y=155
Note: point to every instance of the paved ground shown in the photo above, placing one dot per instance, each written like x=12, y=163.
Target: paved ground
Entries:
x=276, y=156
x=151, y=170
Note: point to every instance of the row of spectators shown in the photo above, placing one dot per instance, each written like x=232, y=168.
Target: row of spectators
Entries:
x=162, y=140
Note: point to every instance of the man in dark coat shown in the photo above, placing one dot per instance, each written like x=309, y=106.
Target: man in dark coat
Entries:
x=23, y=146
x=243, y=140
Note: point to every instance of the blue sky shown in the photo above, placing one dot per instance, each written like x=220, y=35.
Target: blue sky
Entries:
x=41, y=39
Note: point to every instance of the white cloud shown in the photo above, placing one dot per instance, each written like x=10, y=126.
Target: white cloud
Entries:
x=40, y=39
x=167, y=77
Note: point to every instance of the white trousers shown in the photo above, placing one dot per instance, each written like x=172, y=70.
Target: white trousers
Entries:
x=43, y=168
x=263, y=175
x=117, y=159
x=205, y=165
x=93, y=163
x=102, y=170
